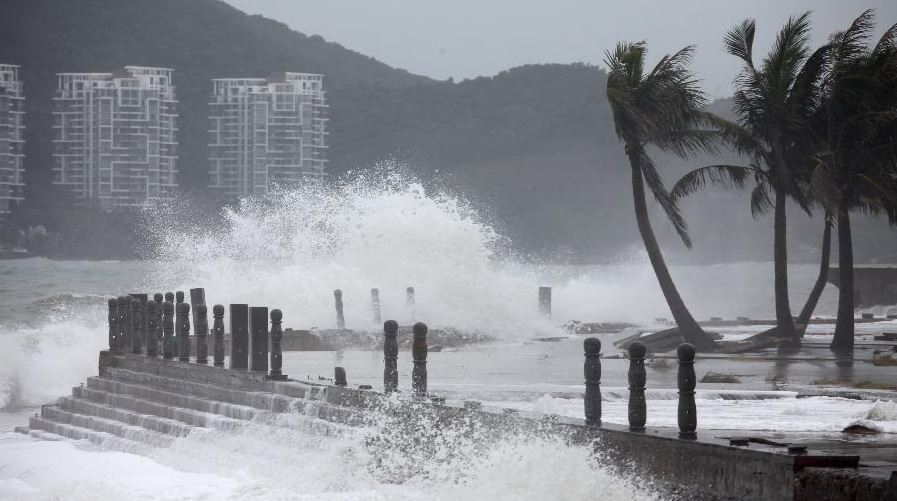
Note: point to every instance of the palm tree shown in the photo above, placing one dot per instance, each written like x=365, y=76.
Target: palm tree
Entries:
x=773, y=103
x=857, y=164
x=824, y=262
x=662, y=107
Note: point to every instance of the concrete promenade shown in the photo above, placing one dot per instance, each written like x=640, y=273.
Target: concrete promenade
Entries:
x=138, y=402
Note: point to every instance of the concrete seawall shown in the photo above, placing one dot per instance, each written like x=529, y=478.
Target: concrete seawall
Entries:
x=138, y=402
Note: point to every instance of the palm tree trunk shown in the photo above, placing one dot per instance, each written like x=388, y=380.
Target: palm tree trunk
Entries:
x=821, y=279
x=688, y=327
x=784, y=321
x=843, y=340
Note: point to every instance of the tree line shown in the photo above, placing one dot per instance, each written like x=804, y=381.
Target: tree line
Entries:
x=815, y=126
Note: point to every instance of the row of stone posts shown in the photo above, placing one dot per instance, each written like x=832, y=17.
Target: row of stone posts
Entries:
x=136, y=322
x=391, y=357
x=375, y=305
x=687, y=414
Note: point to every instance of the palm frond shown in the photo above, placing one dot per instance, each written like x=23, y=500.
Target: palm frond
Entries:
x=788, y=52
x=724, y=176
x=667, y=203
x=887, y=42
x=760, y=201
x=739, y=41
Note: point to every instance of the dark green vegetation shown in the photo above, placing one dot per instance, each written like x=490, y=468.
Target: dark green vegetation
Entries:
x=818, y=127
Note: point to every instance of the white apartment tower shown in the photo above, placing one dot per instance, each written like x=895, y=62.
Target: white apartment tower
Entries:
x=264, y=133
x=115, y=136
x=12, y=109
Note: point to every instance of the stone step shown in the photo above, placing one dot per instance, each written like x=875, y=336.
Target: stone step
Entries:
x=133, y=417
x=141, y=398
x=118, y=428
x=217, y=399
x=49, y=429
x=259, y=399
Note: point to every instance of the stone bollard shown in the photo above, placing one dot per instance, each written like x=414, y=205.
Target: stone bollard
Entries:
x=159, y=299
x=409, y=301
x=152, y=327
x=218, y=335
x=375, y=305
x=339, y=376
x=545, y=301
x=688, y=417
x=638, y=412
x=390, y=356
x=197, y=297
x=592, y=373
x=276, y=349
x=184, y=333
x=168, y=330
x=258, y=338
x=113, y=323
x=338, y=301
x=419, y=353
x=124, y=323
x=201, y=332
x=239, y=336
x=136, y=327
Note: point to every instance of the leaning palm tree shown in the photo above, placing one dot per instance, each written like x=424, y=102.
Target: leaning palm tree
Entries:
x=857, y=165
x=822, y=277
x=662, y=107
x=773, y=102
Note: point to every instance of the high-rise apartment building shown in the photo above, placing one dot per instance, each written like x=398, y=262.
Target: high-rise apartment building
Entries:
x=115, y=136
x=264, y=133
x=12, y=109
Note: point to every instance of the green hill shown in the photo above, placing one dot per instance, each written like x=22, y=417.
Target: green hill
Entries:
x=534, y=144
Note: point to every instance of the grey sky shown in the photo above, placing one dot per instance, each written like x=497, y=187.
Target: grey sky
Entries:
x=469, y=38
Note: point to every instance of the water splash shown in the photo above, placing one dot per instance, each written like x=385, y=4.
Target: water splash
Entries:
x=292, y=248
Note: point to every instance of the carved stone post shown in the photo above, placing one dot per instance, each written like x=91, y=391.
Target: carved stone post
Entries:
x=113, y=323
x=390, y=356
x=201, y=332
x=167, y=330
x=339, y=376
x=545, y=301
x=409, y=301
x=197, y=297
x=218, y=335
x=419, y=353
x=239, y=336
x=688, y=416
x=152, y=327
x=592, y=373
x=159, y=334
x=124, y=323
x=638, y=412
x=375, y=305
x=338, y=301
x=136, y=327
x=184, y=334
x=276, y=349
x=258, y=338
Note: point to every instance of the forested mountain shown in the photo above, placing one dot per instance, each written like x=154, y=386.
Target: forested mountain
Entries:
x=535, y=144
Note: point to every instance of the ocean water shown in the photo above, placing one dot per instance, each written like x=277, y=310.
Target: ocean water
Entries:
x=290, y=251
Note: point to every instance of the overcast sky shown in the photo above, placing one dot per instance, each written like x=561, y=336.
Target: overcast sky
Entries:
x=469, y=38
